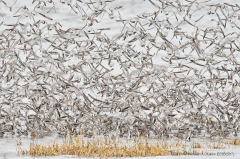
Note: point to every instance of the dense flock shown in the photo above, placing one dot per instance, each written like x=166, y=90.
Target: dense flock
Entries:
x=170, y=72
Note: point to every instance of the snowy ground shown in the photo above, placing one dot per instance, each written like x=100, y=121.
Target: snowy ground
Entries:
x=8, y=150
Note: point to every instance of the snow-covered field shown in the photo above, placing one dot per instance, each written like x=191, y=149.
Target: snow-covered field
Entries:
x=9, y=147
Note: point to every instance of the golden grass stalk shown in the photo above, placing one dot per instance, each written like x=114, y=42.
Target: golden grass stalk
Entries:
x=196, y=144
x=107, y=148
x=235, y=142
x=218, y=145
x=98, y=148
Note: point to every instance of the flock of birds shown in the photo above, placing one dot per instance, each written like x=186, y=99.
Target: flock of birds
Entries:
x=161, y=75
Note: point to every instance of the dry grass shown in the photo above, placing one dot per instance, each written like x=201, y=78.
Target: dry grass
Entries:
x=218, y=145
x=106, y=147
x=212, y=144
x=235, y=142
x=99, y=148
x=196, y=144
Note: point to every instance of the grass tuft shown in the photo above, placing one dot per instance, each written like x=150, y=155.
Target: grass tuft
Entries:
x=107, y=147
x=235, y=142
x=99, y=148
x=196, y=144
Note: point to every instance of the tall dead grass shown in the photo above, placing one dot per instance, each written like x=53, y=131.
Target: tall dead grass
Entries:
x=108, y=147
